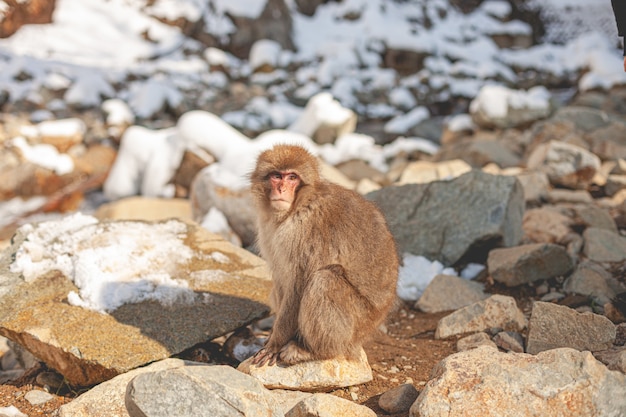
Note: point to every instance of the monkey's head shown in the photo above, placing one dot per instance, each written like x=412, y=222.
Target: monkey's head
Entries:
x=280, y=174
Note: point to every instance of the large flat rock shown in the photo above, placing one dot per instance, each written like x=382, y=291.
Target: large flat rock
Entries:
x=228, y=285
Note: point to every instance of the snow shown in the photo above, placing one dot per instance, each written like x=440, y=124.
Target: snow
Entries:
x=44, y=155
x=264, y=52
x=415, y=275
x=110, y=264
x=495, y=101
x=417, y=272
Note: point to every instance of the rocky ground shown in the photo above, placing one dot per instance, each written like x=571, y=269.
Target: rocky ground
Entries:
x=392, y=356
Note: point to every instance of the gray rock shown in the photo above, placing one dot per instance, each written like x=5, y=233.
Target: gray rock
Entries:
x=565, y=164
x=312, y=376
x=589, y=215
x=447, y=292
x=327, y=405
x=445, y=220
x=227, y=288
x=236, y=205
x=198, y=390
x=509, y=341
x=553, y=326
x=584, y=118
x=559, y=382
x=603, y=245
x=496, y=311
x=398, y=399
x=38, y=397
x=528, y=263
x=107, y=399
x=474, y=340
x=592, y=280
x=614, y=184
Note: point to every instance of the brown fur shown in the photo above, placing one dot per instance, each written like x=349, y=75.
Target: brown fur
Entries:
x=333, y=262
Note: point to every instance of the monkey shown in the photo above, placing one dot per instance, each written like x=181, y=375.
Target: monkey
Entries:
x=333, y=260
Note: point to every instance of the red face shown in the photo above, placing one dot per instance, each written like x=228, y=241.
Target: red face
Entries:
x=284, y=186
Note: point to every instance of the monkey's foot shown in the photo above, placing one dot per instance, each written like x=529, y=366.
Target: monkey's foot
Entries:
x=265, y=356
x=291, y=354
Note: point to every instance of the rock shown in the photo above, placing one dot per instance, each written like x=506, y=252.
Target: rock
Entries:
x=427, y=219
x=324, y=119
x=447, y=292
x=587, y=215
x=546, y=224
x=236, y=205
x=312, y=376
x=590, y=279
x=198, y=390
x=308, y=7
x=614, y=359
x=509, y=341
x=566, y=165
x=20, y=13
x=327, y=405
x=528, y=263
x=107, y=398
x=614, y=184
x=585, y=119
x=11, y=411
x=421, y=172
x=145, y=208
x=500, y=107
x=274, y=22
x=191, y=164
x=496, y=311
x=604, y=246
x=287, y=399
x=474, y=340
x=38, y=397
x=553, y=326
x=479, y=152
x=398, y=399
x=226, y=288
x=559, y=196
x=484, y=382
x=535, y=184
x=608, y=142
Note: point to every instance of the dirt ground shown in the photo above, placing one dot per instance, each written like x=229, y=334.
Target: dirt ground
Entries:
x=406, y=354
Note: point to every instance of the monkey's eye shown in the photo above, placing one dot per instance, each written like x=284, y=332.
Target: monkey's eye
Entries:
x=275, y=175
x=292, y=177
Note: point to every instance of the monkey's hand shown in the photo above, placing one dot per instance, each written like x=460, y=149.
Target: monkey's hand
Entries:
x=265, y=356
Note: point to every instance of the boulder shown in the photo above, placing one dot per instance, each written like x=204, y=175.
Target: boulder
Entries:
x=196, y=391
x=182, y=285
x=558, y=382
x=553, y=326
x=528, y=263
x=499, y=311
x=451, y=220
x=447, y=292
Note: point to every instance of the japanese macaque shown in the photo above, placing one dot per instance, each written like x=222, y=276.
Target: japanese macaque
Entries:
x=333, y=260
